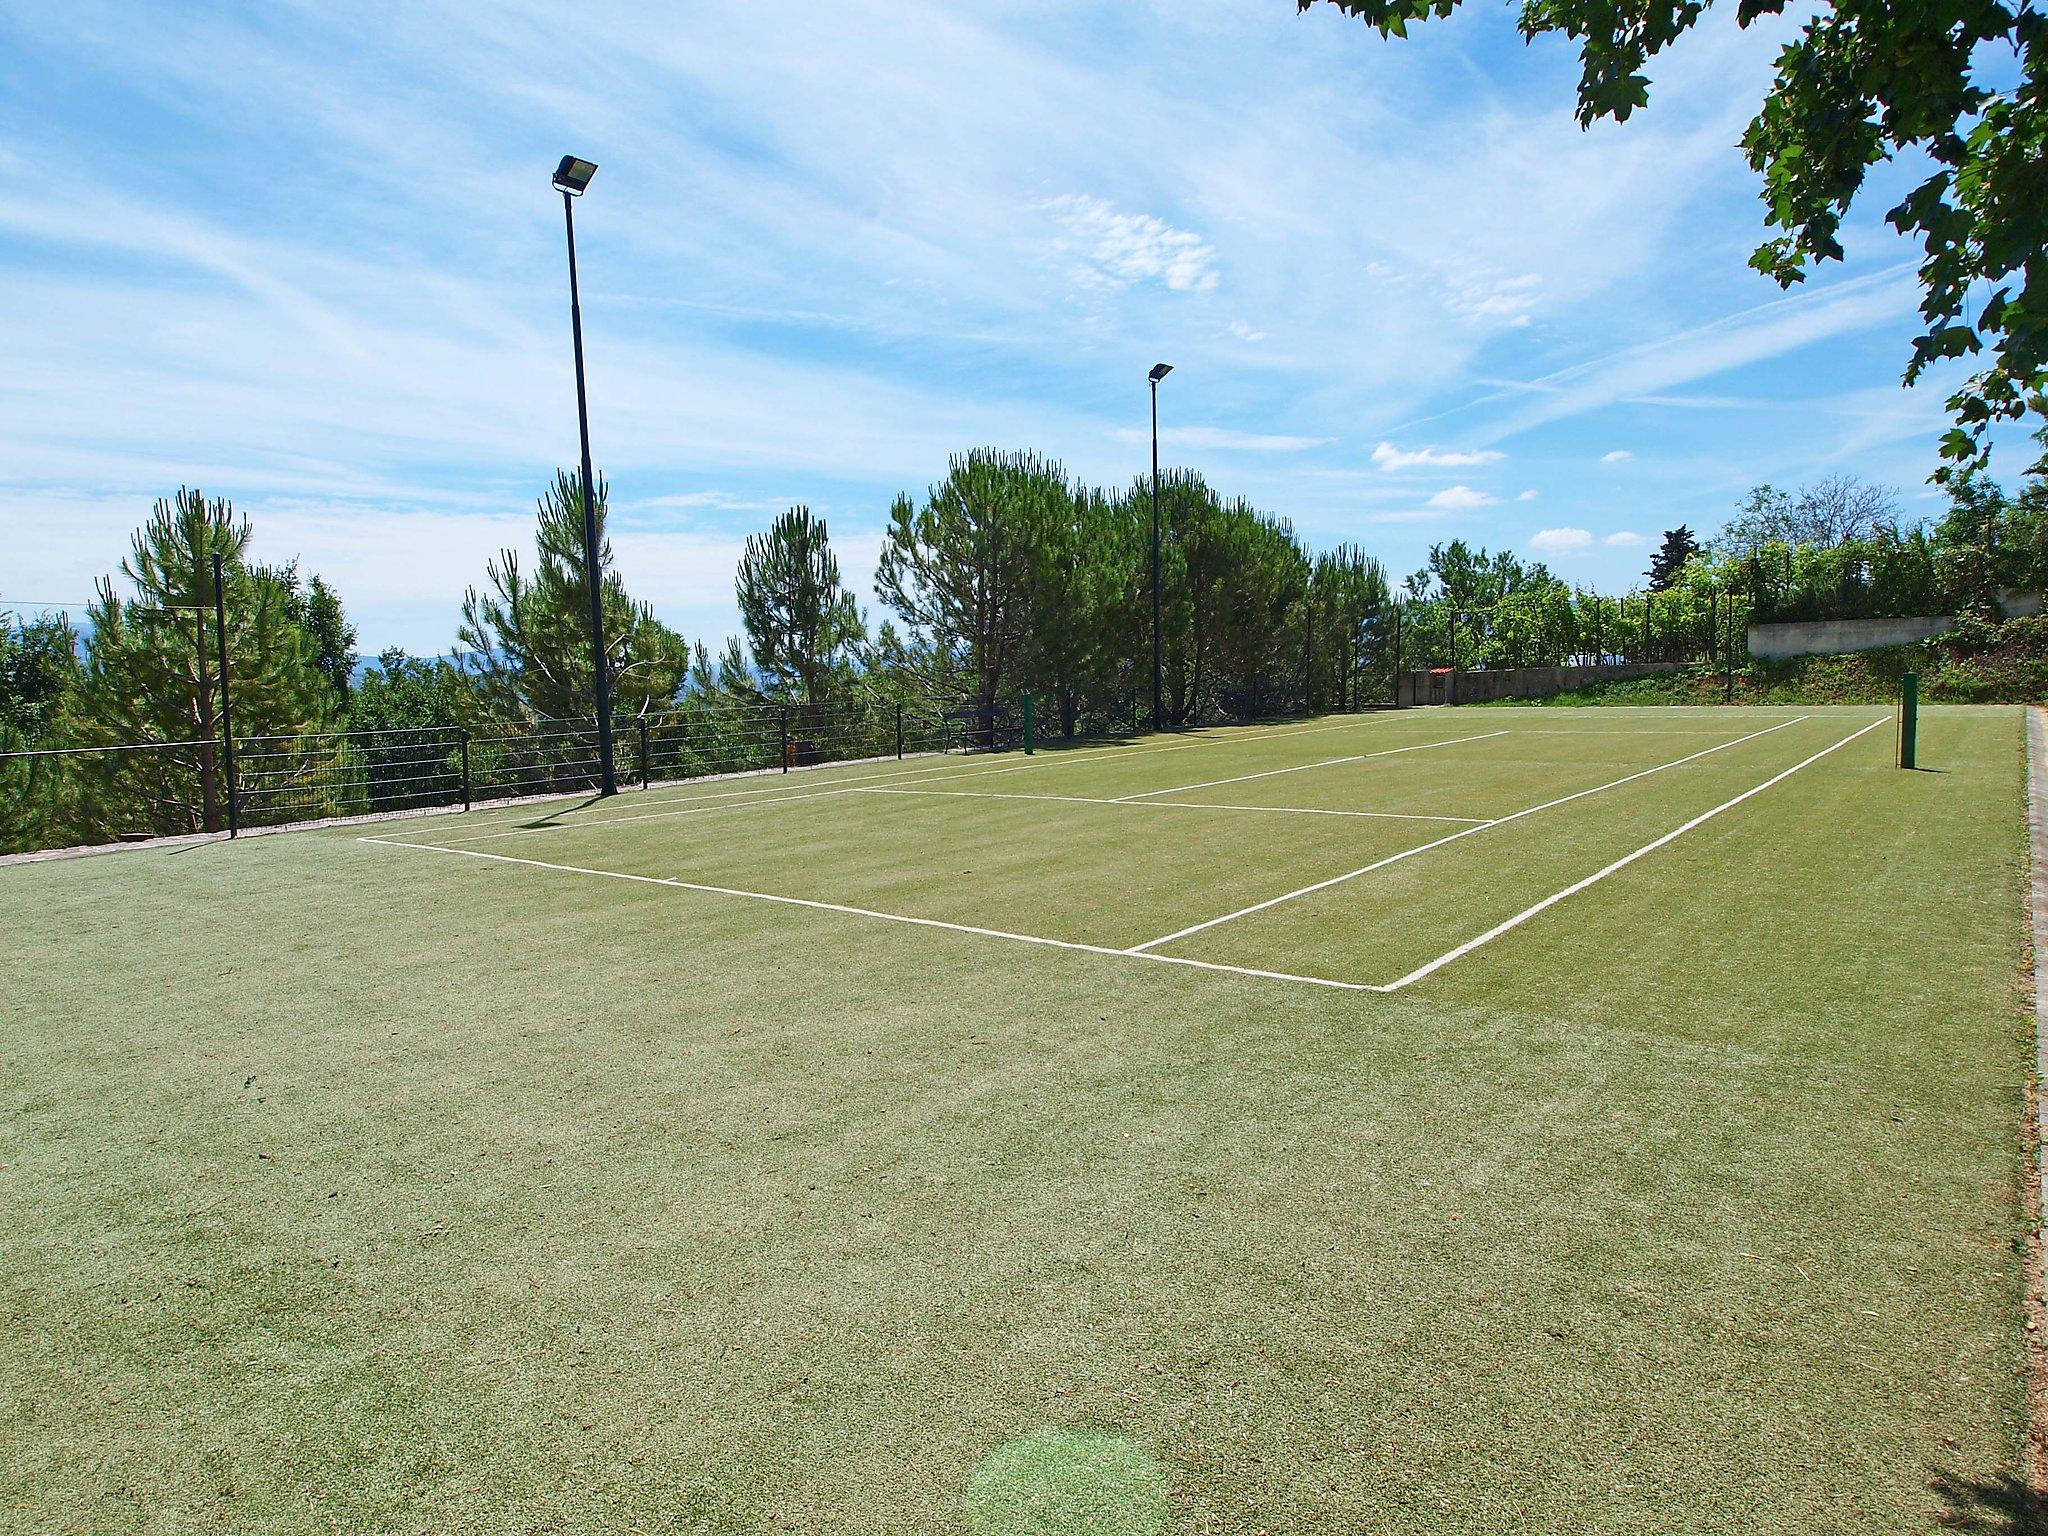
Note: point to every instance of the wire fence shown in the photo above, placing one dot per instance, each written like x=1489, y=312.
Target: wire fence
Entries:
x=71, y=796
x=57, y=797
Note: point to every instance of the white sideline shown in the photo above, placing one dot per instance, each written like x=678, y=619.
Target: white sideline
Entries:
x=1141, y=952
x=747, y=799
x=1623, y=862
x=887, y=917
x=1328, y=762
x=755, y=803
x=1409, y=853
x=1163, y=805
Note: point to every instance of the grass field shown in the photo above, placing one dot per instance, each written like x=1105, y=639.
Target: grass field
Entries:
x=1455, y=1120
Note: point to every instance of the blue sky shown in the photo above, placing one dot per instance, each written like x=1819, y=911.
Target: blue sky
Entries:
x=307, y=257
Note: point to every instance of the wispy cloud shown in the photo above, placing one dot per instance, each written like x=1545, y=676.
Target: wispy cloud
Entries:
x=1460, y=498
x=905, y=228
x=1624, y=539
x=1388, y=457
x=1111, y=248
x=1754, y=335
x=1561, y=541
x=1226, y=438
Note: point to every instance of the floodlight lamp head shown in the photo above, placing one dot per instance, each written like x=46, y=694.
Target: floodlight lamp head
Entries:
x=573, y=175
x=1159, y=371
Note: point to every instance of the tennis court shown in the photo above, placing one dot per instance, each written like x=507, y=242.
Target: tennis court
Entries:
x=1509, y=1119
x=1304, y=854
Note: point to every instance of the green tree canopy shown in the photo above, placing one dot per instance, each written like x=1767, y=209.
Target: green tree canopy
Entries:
x=1869, y=81
x=957, y=570
x=802, y=624
x=1678, y=547
x=151, y=671
x=38, y=670
x=529, y=635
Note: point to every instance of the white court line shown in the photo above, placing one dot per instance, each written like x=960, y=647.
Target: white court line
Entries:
x=1353, y=874
x=1206, y=965
x=757, y=803
x=1166, y=805
x=887, y=917
x=1328, y=762
x=1623, y=862
x=739, y=800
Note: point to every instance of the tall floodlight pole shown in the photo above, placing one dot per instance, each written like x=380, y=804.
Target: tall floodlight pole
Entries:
x=1159, y=371
x=571, y=177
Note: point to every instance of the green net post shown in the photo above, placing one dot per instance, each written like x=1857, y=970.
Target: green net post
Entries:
x=1029, y=722
x=1909, y=718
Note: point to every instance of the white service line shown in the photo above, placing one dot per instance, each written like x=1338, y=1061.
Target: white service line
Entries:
x=886, y=917
x=1623, y=862
x=1409, y=853
x=1166, y=805
x=1141, y=953
x=759, y=802
x=747, y=799
x=1328, y=762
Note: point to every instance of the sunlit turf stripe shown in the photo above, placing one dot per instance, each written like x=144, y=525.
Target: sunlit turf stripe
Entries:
x=1142, y=952
x=1126, y=803
x=1623, y=862
x=733, y=800
x=1366, y=869
x=1055, y=756
x=870, y=912
x=1328, y=762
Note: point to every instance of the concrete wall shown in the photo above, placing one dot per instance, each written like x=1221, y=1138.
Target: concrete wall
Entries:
x=1834, y=636
x=1515, y=682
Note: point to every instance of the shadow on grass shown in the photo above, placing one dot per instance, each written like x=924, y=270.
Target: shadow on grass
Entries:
x=560, y=811
x=2001, y=1506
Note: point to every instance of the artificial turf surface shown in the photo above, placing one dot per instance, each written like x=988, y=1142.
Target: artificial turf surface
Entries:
x=354, y=1187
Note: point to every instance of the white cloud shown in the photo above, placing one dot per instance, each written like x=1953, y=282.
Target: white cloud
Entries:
x=1244, y=332
x=1760, y=333
x=1617, y=456
x=1526, y=496
x=1488, y=296
x=716, y=501
x=1562, y=541
x=1460, y=498
x=1388, y=457
x=1625, y=539
x=1221, y=437
x=1114, y=249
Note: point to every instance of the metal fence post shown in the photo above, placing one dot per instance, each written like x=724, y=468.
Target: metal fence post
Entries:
x=227, y=719
x=646, y=776
x=1396, y=673
x=899, y=730
x=1730, y=642
x=1029, y=722
x=1909, y=720
x=785, y=738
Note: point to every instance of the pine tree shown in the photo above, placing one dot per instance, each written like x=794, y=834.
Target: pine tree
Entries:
x=1679, y=546
x=957, y=571
x=529, y=636
x=151, y=671
x=803, y=625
